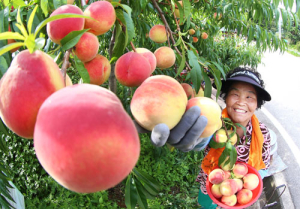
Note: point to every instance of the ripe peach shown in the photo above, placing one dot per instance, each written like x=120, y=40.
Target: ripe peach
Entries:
x=104, y=14
x=192, y=31
x=220, y=136
x=99, y=69
x=227, y=174
x=195, y=39
x=158, y=34
x=219, y=16
x=229, y=200
x=239, y=184
x=188, y=90
x=251, y=181
x=149, y=56
x=78, y=140
x=132, y=69
x=228, y=187
x=68, y=81
x=176, y=11
x=87, y=47
x=58, y=29
x=240, y=170
x=165, y=57
x=29, y=80
x=160, y=99
x=215, y=190
x=200, y=92
x=216, y=176
x=204, y=35
x=244, y=196
x=211, y=110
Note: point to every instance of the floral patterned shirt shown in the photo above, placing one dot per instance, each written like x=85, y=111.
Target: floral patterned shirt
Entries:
x=243, y=150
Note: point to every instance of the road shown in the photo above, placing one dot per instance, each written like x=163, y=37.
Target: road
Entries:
x=281, y=74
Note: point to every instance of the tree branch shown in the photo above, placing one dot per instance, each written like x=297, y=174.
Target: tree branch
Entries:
x=65, y=64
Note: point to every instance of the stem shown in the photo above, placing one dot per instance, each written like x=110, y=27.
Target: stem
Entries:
x=133, y=48
x=226, y=131
x=112, y=78
x=65, y=64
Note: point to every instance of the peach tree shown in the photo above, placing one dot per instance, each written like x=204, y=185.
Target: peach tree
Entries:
x=205, y=39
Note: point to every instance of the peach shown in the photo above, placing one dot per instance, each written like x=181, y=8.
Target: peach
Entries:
x=188, y=90
x=149, y=56
x=68, y=81
x=70, y=1
x=229, y=200
x=239, y=184
x=158, y=34
x=240, y=170
x=160, y=99
x=29, y=80
x=87, y=47
x=165, y=57
x=234, y=138
x=99, y=69
x=216, y=176
x=244, y=196
x=228, y=187
x=219, y=16
x=132, y=69
x=195, y=39
x=211, y=110
x=104, y=14
x=215, y=190
x=220, y=136
x=200, y=92
x=204, y=35
x=251, y=181
x=225, y=165
x=176, y=11
x=78, y=140
x=227, y=174
x=192, y=31
x=58, y=29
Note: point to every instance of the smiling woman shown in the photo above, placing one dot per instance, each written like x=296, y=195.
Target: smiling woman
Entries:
x=243, y=92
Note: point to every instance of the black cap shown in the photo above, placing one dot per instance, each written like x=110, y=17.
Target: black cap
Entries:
x=248, y=77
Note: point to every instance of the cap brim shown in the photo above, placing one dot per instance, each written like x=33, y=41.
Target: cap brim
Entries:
x=266, y=96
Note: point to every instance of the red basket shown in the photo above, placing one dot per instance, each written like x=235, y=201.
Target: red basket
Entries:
x=256, y=192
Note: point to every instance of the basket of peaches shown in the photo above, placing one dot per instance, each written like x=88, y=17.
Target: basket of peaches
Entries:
x=232, y=184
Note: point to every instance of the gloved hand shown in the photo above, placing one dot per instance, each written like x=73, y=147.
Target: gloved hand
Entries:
x=185, y=135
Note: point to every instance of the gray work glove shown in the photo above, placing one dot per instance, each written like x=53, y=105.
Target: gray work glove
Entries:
x=185, y=135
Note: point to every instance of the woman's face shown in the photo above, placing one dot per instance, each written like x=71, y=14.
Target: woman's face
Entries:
x=241, y=102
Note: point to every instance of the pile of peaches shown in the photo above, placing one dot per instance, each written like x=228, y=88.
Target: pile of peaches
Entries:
x=234, y=187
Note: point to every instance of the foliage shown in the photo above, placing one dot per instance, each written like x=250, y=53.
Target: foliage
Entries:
x=245, y=24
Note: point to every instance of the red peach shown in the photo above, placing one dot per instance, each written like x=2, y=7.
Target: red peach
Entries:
x=228, y=187
x=159, y=99
x=149, y=56
x=29, y=80
x=188, y=90
x=104, y=14
x=158, y=34
x=227, y=174
x=251, y=181
x=132, y=69
x=215, y=190
x=216, y=176
x=220, y=136
x=229, y=200
x=58, y=29
x=244, y=196
x=239, y=184
x=204, y=35
x=79, y=142
x=195, y=39
x=87, y=47
x=240, y=170
x=165, y=57
x=192, y=31
x=99, y=69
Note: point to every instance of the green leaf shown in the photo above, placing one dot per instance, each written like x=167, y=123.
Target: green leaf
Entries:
x=220, y=69
x=141, y=198
x=120, y=42
x=182, y=63
x=18, y=3
x=216, y=145
x=276, y=2
x=208, y=86
x=30, y=21
x=284, y=16
x=147, y=179
x=9, y=47
x=3, y=128
x=72, y=39
x=82, y=70
x=196, y=74
x=297, y=5
x=3, y=66
x=130, y=193
x=44, y=6
x=59, y=3
x=143, y=189
x=129, y=27
x=11, y=35
x=291, y=2
x=250, y=34
x=39, y=43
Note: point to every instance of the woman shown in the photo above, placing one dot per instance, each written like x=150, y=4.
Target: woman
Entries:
x=243, y=92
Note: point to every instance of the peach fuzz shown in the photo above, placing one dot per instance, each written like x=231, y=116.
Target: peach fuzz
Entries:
x=104, y=14
x=149, y=56
x=240, y=170
x=87, y=47
x=251, y=181
x=165, y=57
x=244, y=196
x=211, y=110
x=132, y=69
x=158, y=34
x=239, y=184
x=99, y=69
x=215, y=190
x=204, y=35
x=188, y=90
x=160, y=99
x=227, y=174
x=229, y=200
x=29, y=80
x=228, y=187
x=78, y=140
x=58, y=29
x=216, y=176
